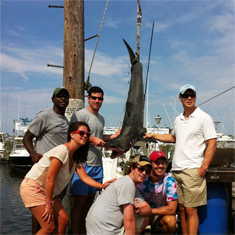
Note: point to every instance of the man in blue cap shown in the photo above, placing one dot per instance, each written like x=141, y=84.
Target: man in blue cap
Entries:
x=194, y=136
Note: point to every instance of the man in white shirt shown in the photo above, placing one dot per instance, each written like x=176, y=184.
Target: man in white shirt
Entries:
x=194, y=136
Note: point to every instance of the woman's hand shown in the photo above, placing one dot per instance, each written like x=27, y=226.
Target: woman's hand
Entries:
x=107, y=183
x=48, y=214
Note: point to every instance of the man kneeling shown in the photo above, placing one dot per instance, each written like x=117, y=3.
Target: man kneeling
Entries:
x=160, y=191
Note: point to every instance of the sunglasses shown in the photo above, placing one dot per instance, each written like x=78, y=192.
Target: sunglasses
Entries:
x=142, y=169
x=185, y=96
x=82, y=133
x=95, y=98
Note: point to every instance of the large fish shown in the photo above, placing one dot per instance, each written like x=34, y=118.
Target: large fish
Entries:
x=132, y=126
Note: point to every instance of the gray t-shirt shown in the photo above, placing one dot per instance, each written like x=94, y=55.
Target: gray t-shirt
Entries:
x=105, y=217
x=50, y=130
x=96, y=124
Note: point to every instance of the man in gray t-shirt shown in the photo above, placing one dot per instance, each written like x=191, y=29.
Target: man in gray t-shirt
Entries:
x=115, y=207
x=83, y=194
x=50, y=126
x=50, y=129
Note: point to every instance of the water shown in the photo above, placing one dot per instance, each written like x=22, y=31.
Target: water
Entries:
x=14, y=217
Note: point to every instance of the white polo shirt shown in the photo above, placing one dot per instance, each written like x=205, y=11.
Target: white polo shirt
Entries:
x=191, y=134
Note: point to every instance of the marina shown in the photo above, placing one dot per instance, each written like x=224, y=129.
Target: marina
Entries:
x=220, y=177
x=220, y=174
x=171, y=51
x=17, y=219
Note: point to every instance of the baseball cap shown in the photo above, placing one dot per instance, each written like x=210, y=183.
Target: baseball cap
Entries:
x=141, y=160
x=58, y=90
x=187, y=87
x=155, y=155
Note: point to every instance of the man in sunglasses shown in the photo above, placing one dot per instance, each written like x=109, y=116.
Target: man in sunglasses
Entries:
x=83, y=194
x=49, y=127
x=159, y=190
x=194, y=136
x=114, y=210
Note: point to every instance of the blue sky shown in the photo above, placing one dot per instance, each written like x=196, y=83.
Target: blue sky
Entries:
x=193, y=42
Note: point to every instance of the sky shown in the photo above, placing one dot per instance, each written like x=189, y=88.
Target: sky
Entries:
x=193, y=42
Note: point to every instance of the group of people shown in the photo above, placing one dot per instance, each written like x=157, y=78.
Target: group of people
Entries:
x=66, y=153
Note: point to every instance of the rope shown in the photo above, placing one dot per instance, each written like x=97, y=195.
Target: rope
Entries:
x=139, y=15
x=87, y=84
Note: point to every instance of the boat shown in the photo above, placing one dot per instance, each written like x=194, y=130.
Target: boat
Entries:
x=2, y=146
x=225, y=141
x=19, y=156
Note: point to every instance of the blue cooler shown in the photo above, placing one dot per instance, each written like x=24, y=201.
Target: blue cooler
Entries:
x=213, y=217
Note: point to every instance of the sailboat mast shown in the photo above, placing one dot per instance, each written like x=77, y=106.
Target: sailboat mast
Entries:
x=18, y=117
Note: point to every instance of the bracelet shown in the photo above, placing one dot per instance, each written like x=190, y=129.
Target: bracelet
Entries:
x=49, y=208
x=50, y=203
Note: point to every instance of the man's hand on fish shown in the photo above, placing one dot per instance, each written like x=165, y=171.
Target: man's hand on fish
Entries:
x=148, y=135
x=97, y=141
x=115, y=135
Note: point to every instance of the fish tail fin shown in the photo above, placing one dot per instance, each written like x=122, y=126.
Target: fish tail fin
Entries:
x=133, y=57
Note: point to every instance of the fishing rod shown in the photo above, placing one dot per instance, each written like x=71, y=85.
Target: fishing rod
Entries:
x=201, y=103
x=139, y=16
x=146, y=85
x=87, y=84
x=217, y=95
x=150, y=49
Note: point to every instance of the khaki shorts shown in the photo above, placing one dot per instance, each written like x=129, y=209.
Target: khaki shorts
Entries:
x=32, y=193
x=191, y=188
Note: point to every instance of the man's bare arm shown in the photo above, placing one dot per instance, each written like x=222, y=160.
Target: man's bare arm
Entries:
x=166, y=138
x=209, y=154
x=169, y=209
x=28, y=143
